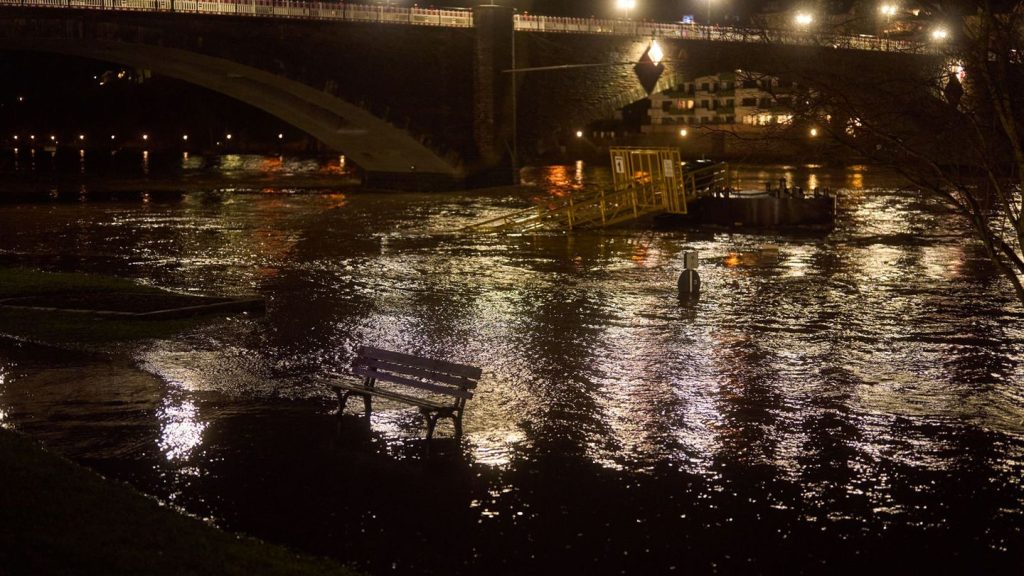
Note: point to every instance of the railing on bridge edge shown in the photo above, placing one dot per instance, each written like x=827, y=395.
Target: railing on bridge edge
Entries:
x=271, y=9
x=531, y=23
x=341, y=11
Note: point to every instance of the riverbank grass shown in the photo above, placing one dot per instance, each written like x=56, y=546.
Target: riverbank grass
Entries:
x=57, y=517
x=62, y=327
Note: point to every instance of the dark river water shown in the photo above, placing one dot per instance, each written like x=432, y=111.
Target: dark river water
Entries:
x=855, y=405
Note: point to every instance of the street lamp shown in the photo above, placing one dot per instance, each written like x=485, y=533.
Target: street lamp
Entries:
x=625, y=6
x=887, y=10
x=940, y=34
x=803, y=19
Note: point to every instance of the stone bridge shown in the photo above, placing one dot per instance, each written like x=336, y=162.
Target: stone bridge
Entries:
x=414, y=97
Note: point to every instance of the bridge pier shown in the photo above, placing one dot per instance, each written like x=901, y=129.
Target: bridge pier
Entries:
x=492, y=89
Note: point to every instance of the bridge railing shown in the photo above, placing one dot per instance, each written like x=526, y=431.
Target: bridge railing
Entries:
x=272, y=9
x=316, y=10
x=532, y=23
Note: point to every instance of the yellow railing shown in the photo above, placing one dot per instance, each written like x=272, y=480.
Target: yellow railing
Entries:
x=627, y=201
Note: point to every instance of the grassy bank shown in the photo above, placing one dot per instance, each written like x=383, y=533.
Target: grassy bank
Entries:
x=70, y=328
x=59, y=518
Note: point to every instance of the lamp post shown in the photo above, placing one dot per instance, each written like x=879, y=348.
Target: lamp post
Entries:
x=625, y=6
x=888, y=11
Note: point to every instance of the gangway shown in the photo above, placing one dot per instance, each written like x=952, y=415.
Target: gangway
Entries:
x=645, y=181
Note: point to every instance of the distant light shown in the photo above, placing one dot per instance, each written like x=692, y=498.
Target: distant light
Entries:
x=280, y=136
x=185, y=137
x=579, y=133
x=625, y=4
x=655, y=53
x=52, y=137
x=804, y=18
x=228, y=136
x=145, y=136
x=15, y=136
x=21, y=98
x=112, y=137
x=683, y=132
x=81, y=136
x=888, y=9
x=814, y=132
x=32, y=137
x=939, y=34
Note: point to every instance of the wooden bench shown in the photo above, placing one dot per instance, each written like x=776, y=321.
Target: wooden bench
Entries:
x=444, y=386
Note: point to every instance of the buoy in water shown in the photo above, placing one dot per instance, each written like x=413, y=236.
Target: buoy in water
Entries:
x=689, y=280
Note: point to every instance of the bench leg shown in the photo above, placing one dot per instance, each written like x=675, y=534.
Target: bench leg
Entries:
x=343, y=400
x=431, y=422
x=457, y=417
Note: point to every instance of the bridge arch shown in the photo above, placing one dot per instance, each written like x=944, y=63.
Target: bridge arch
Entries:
x=386, y=154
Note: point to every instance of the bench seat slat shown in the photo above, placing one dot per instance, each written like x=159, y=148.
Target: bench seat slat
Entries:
x=421, y=402
x=471, y=372
x=427, y=374
x=386, y=377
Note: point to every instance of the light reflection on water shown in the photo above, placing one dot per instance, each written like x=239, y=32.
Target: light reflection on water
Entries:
x=853, y=386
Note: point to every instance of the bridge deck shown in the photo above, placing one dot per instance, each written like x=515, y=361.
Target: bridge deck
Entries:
x=455, y=18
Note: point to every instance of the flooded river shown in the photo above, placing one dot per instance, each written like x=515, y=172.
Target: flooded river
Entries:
x=856, y=404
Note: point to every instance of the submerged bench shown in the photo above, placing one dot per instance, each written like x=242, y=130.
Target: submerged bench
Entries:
x=438, y=388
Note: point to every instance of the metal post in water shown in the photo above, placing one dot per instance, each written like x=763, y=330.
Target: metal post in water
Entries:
x=689, y=280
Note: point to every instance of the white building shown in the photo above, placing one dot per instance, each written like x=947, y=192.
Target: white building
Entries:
x=726, y=98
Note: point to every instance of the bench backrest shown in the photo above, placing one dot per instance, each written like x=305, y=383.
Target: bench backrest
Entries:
x=437, y=376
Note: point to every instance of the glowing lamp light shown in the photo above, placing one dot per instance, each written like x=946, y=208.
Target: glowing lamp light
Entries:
x=888, y=9
x=683, y=133
x=579, y=133
x=814, y=132
x=52, y=138
x=145, y=136
x=940, y=34
x=803, y=19
x=656, y=53
x=81, y=136
x=228, y=136
x=112, y=137
x=15, y=136
x=184, y=137
x=280, y=136
x=625, y=5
